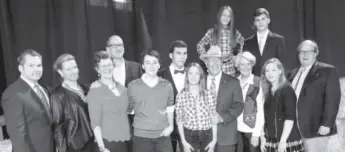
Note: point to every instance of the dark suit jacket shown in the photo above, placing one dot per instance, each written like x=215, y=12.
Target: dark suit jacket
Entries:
x=166, y=74
x=133, y=71
x=319, y=99
x=29, y=124
x=274, y=48
x=229, y=107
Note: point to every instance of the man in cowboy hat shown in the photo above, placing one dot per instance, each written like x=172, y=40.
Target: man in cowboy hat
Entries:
x=228, y=92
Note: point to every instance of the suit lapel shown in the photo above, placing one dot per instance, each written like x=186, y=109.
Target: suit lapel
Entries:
x=128, y=72
x=36, y=99
x=268, y=41
x=256, y=44
x=292, y=75
x=309, y=76
x=222, y=86
x=168, y=76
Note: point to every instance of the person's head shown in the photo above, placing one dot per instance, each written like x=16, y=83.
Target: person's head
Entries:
x=30, y=65
x=225, y=16
x=261, y=19
x=178, y=53
x=103, y=64
x=115, y=47
x=244, y=62
x=195, y=76
x=67, y=67
x=151, y=62
x=273, y=73
x=213, y=60
x=307, y=52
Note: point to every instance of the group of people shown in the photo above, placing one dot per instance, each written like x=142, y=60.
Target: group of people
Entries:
x=244, y=102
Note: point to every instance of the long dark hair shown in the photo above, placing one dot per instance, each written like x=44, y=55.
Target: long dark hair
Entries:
x=231, y=26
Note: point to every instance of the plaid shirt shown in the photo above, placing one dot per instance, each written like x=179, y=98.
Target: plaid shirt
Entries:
x=224, y=44
x=195, y=113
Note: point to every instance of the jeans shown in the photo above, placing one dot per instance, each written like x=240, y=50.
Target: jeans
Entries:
x=160, y=144
x=198, y=139
x=244, y=143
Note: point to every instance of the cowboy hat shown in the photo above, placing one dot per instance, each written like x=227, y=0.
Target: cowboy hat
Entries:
x=213, y=52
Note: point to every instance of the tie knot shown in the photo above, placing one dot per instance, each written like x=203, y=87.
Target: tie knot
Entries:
x=302, y=70
x=213, y=79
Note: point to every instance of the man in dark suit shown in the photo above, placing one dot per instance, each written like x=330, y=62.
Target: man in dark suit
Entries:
x=26, y=108
x=229, y=100
x=264, y=44
x=175, y=74
x=125, y=71
x=318, y=96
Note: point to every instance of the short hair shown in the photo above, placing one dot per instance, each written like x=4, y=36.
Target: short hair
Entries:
x=21, y=57
x=261, y=11
x=177, y=44
x=100, y=55
x=310, y=42
x=61, y=59
x=150, y=52
x=245, y=55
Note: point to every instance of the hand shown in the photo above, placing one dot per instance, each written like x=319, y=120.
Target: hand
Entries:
x=216, y=119
x=211, y=146
x=263, y=143
x=95, y=84
x=323, y=130
x=167, y=131
x=187, y=147
x=254, y=141
x=282, y=146
x=103, y=149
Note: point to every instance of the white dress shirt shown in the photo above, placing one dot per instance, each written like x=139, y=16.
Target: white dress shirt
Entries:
x=301, y=81
x=260, y=119
x=178, y=78
x=119, y=73
x=32, y=85
x=217, y=81
x=262, y=40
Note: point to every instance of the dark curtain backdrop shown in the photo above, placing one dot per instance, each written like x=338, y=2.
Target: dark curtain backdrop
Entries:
x=81, y=27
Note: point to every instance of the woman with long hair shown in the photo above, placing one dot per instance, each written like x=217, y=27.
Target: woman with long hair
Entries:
x=226, y=36
x=195, y=107
x=280, y=130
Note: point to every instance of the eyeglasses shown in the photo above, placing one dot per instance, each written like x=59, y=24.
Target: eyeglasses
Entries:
x=115, y=45
x=306, y=52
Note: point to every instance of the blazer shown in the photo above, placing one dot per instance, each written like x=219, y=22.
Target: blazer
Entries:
x=274, y=48
x=29, y=123
x=280, y=107
x=318, y=102
x=72, y=129
x=229, y=107
x=133, y=71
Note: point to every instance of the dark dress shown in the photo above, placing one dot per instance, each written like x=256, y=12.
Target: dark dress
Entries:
x=277, y=108
x=72, y=129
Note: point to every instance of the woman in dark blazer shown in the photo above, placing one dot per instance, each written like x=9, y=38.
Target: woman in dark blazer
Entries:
x=280, y=130
x=72, y=129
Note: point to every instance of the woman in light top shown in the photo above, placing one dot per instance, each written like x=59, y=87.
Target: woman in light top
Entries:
x=108, y=108
x=225, y=35
x=195, y=107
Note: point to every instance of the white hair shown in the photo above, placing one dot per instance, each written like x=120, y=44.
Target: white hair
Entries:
x=245, y=55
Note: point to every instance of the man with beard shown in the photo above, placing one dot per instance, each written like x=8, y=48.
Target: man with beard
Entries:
x=27, y=108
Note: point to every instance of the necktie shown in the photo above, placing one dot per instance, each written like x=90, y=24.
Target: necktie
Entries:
x=213, y=86
x=299, y=78
x=41, y=95
x=178, y=71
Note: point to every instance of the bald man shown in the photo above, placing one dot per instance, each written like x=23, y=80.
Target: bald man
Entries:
x=317, y=89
